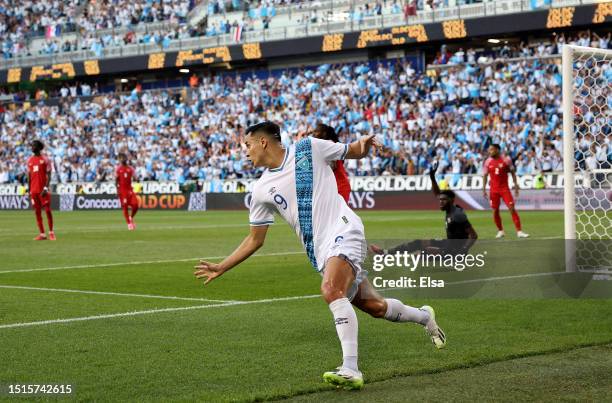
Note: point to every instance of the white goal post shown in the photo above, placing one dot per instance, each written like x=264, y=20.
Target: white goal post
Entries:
x=587, y=143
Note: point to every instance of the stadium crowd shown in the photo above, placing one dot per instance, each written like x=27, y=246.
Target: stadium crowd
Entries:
x=21, y=21
x=254, y=8
x=450, y=113
x=261, y=13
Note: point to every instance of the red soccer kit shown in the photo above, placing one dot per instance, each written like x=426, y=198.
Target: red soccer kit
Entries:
x=498, y=169
x=342, y=180
x=124, y=178
x=39, y=169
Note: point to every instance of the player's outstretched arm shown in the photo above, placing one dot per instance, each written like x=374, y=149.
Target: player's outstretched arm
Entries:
x=249, y=245
x=360, y=148
x=432, y=175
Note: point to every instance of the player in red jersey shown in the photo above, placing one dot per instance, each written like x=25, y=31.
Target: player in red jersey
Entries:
x=326, y=132
x=39, y=176
x=125, y=174
x=497, y=166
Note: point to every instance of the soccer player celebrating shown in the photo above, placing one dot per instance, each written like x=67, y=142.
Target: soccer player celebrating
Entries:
x=325, y=132
x=296, y=185
x=459, y=232
x=39, y=176
x=125, y=174
x=498, y=166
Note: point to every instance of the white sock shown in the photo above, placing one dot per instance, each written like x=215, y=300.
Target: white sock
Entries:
x=398, y=312
x=346, y=326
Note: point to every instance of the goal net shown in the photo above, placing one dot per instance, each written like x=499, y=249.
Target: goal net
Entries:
x=587, y=132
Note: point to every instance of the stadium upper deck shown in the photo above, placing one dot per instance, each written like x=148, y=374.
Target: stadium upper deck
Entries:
x=119, y=28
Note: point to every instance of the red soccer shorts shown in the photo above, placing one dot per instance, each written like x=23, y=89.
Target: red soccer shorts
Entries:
x=504, y=194
x=38, y=200
x=128, y=199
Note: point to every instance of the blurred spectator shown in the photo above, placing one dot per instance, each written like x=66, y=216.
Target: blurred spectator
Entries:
x=451, y=114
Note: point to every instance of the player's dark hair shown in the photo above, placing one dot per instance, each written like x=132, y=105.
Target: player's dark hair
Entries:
x=268, y=128
x=38, y=145
x=449, y=193
x=496, y=146
x=328, y=132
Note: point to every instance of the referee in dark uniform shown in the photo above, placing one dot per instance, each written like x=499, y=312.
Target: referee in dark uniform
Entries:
x=459, y=232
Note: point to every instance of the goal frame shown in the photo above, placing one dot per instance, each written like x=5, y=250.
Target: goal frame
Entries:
x=569, y=136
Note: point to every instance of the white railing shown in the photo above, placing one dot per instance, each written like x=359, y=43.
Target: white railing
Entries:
x=498, y=7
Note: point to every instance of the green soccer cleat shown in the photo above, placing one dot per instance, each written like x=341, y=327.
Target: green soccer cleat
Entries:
x=345, y=378
x=438, y=338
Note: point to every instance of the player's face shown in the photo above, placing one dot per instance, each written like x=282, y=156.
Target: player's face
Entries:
x=255, y=149
x=445, y=201
x=493, y=152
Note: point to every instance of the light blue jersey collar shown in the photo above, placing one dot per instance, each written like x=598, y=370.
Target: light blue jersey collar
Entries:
x=280, y=168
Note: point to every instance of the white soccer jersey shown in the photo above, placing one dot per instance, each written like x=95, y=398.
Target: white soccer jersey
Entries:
x=304, y=192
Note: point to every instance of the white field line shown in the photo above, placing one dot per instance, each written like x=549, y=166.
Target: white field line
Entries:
x=119, y=294
x=122, y=228
x=481, y=280
x=153, y=311
x=136, y=263
x=221, y=305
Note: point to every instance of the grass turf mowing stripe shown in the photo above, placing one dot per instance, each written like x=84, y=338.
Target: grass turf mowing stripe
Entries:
x=119, y=294
x=120, y=227
x=539, y=363
x=153, y=311
x=135, y=263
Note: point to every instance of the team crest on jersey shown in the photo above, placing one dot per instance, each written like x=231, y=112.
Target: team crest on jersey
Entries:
x=303, y=163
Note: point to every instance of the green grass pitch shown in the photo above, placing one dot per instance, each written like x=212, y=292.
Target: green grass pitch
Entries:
x=119, y=316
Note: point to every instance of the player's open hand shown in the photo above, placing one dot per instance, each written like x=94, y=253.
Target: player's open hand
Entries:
x=484, y=194
x=369, y=141
x=208, y=270
x=516, y=191
x=434, y=167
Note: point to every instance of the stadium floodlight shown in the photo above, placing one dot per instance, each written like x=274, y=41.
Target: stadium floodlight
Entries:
x=587, y=143
x=493, y=40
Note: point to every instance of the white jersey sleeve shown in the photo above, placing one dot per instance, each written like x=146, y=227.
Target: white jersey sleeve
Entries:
x=328, y=150
x=260, y=213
